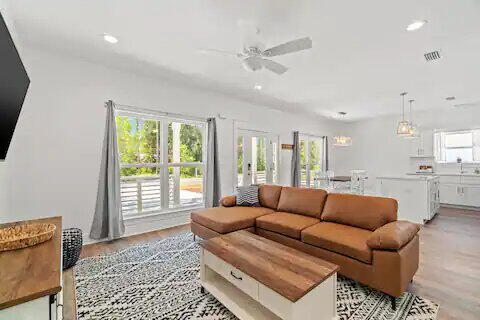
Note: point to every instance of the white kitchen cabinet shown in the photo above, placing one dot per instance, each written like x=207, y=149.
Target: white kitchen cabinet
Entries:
x=471, y=195
x=423, y=145
x=460, y=190
x=450, y=193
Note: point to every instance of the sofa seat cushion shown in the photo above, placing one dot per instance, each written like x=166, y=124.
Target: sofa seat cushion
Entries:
x=225, y=220
x=339, y=238
x=288, y=224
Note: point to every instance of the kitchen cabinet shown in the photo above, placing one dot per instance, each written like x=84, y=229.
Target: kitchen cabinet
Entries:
x=451, y=194
x=459, y=190
x=471, y=195
x=423, y=145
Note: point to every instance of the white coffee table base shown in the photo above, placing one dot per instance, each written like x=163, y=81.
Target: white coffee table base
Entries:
x=248, y=299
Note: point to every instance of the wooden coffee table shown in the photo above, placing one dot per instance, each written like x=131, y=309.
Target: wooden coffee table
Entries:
x=256, y=278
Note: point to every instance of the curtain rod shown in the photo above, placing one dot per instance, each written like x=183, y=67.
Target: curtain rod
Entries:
x=135, y=109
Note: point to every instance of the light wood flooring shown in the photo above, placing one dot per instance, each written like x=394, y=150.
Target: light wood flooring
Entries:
x=449, y=272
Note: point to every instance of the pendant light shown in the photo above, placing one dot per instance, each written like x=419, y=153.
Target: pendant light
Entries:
x=342, y=141
x=403, y=128
x=413, y=128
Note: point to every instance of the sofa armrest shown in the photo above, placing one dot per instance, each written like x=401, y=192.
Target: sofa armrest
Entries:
x=393, y=235
x=228, y=201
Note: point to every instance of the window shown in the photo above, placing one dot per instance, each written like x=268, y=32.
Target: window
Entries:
x=161, y=163
x=311, y=159
x=453, y=145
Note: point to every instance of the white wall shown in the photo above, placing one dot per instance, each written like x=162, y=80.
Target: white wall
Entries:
x=53, y=161
x=377, y=149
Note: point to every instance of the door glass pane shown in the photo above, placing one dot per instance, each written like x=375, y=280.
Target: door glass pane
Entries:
x=259, y=150
x=303, y=163
x=185, y=186
x=185, y=142
x=240, y=161
x=315, y=157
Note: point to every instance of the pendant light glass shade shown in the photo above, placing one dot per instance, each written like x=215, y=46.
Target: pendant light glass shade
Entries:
x=342, y=141
x=403, y=128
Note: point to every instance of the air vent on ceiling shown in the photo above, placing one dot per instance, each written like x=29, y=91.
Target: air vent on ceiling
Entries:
x=434, y=55
x=468, y=104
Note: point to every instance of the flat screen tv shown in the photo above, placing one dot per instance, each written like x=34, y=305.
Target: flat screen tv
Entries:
x=14, y=84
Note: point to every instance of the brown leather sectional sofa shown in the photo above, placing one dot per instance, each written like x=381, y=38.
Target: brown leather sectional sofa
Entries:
x=361, y=234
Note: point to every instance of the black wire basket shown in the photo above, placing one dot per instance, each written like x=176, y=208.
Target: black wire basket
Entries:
x=72, y=246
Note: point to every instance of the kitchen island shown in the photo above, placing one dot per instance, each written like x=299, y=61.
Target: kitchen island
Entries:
x=417, y=195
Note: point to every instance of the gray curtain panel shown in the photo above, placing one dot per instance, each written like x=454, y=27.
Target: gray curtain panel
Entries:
x=212, y=190
x=108, y=220
x=295, y=170
x=325, y=154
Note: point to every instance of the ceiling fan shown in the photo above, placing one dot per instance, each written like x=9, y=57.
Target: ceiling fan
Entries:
x=255, y=57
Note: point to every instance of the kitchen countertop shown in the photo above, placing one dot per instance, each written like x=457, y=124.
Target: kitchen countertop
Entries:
x=34, y=272
x=453, y=174
x=409, y=177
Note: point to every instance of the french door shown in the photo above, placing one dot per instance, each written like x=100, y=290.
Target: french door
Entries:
x=311, y=159
x=256, y=157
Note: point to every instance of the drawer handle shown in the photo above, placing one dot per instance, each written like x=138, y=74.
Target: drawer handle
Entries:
x=236, y=277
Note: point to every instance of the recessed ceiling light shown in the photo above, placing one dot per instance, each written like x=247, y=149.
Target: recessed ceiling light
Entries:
x=415, y=25
x=257, y=87
x=109, y=38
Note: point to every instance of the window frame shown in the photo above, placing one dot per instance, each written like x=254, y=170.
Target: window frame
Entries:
x=440, y=148
x=162, y=165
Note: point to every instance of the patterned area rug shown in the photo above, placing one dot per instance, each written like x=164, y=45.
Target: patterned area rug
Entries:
x=160, y=280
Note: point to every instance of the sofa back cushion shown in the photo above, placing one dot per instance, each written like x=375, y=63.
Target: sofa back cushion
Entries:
x=268, y=194
x=360, y=211
x=305, y=201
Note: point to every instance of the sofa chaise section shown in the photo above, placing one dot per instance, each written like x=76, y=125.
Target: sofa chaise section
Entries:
x=212, y=222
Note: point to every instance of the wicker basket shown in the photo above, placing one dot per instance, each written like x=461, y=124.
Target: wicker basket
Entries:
x=25, y=235
x=72, y=246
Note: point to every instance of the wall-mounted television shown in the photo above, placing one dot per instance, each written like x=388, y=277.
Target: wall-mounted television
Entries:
x=14, y=84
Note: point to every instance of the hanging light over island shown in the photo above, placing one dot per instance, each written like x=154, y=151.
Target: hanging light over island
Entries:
x=403, y=128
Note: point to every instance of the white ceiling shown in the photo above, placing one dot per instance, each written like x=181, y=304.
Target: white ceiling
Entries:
x=362, y=56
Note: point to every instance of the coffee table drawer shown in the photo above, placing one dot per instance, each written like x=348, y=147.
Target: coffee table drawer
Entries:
x=242, y=281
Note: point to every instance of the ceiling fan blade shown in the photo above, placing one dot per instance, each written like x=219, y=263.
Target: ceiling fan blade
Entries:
x=289, y=47
x=274, y=66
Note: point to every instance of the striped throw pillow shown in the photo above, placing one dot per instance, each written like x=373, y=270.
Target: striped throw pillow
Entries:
x=248, y=196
